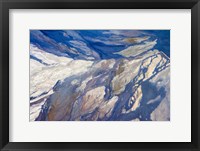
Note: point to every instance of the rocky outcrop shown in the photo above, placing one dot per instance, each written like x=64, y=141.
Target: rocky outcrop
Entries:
x=137, y=49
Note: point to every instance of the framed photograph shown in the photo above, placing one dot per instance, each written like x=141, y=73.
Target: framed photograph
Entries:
x=91, y=75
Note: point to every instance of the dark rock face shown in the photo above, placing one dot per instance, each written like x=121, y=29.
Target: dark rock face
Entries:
x=130, y=88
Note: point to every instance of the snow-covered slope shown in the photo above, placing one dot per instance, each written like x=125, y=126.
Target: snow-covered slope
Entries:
x=125, y=88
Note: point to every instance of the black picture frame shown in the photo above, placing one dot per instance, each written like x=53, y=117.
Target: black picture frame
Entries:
x=5, y=5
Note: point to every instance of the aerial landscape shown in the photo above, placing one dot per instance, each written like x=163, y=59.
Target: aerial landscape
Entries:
x=99, y=75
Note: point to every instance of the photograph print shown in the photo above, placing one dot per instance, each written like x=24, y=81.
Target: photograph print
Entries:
x=99, y=75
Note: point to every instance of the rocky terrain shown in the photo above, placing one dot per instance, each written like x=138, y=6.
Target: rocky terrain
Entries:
x=132, y=86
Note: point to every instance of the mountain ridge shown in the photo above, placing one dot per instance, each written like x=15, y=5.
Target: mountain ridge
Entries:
x=108, y=79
